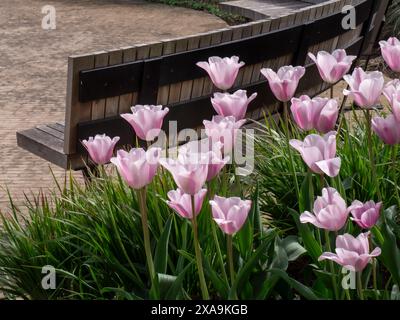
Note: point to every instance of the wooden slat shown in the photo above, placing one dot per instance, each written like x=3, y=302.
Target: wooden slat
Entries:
x=125, y=101
x=187, y=86
x=43, y=145
x=237, y=35
x=55, y=133
x=75, y=111
x=216, y=38
x=197, y=88
x=256, y=29
x=114, y=57
x=163, y=92
x=98, y=106
x=57, y=126
x=175, y=89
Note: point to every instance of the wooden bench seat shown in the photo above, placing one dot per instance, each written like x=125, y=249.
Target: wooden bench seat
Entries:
x=103, y=85
x=47, y=142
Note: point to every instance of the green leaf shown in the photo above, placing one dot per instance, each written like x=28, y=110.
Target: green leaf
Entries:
x=218, y=283
x=306, y=193
x=244, y=239
x=310, y=243
x=292, y=247
x=390, y=251
x=187, y=255
x=165, y=283
x=176, y=288
x=280, y=260
x=267, y=287
x=303, y=290
x=247, y=269
x=256, y=215
x=161, y=256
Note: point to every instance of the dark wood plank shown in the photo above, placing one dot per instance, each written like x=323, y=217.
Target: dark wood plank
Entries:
x=123, y=78
x=110, y=81
x=329, y=27
x=57, y=126
x=55, y=133
x=43, y=145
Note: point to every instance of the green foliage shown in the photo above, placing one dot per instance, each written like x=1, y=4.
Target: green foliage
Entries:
x=276, y=185
x=210, y=6
x=393, y=18
x=92, y=236
x=276, y=188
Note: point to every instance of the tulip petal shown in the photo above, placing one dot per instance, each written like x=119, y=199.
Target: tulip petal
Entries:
x=330, y=167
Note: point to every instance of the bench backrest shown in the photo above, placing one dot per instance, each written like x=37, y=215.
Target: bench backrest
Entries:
x=103, y=85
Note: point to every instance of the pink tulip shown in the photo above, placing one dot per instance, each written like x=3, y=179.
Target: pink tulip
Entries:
x=319, y=153
x=332, y=67
x=223, y=129
x=391, y=88
x=222, y=71
x=214, y=158
x=318, y=113
x=182, y=202
x=352, y=253
x=284, y=83
x=391, y=53
x=387, y=129
x=230, y=213
x=146, y=120
x=329, y=213
x=396, y=106
x=234, y=104
x=188, y=171
x=365, y=214
x=392, y=94
x=100, y=148
x=365, y=87
x=137, y=167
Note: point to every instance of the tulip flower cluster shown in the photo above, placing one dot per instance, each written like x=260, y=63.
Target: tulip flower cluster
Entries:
x=331, y=213
x=199, y=163
x=388, y=129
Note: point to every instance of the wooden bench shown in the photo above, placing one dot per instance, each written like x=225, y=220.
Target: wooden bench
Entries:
x=103, y=85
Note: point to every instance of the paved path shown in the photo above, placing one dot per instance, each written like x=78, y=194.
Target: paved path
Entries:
x=33, y=66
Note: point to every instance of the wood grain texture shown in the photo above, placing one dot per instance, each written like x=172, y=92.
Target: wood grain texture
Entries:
x=163, y=92
x=99, y=106
x=75, y=111
x=112, y=104
x=175, y=89
x=125, y=101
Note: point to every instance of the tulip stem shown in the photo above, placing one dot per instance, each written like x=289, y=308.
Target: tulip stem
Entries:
x=332, y=267
x=286, y=120
x=371, y=153
x=360, y=286
x=347, y=294
x=321, y=181
x=215, y=236
x=394, y=156
x=229, y=248
x=374, y=277
x=197, y=250
x=146, y=235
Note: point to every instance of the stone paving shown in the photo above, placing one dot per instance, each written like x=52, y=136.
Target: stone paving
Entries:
x=33, y=66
